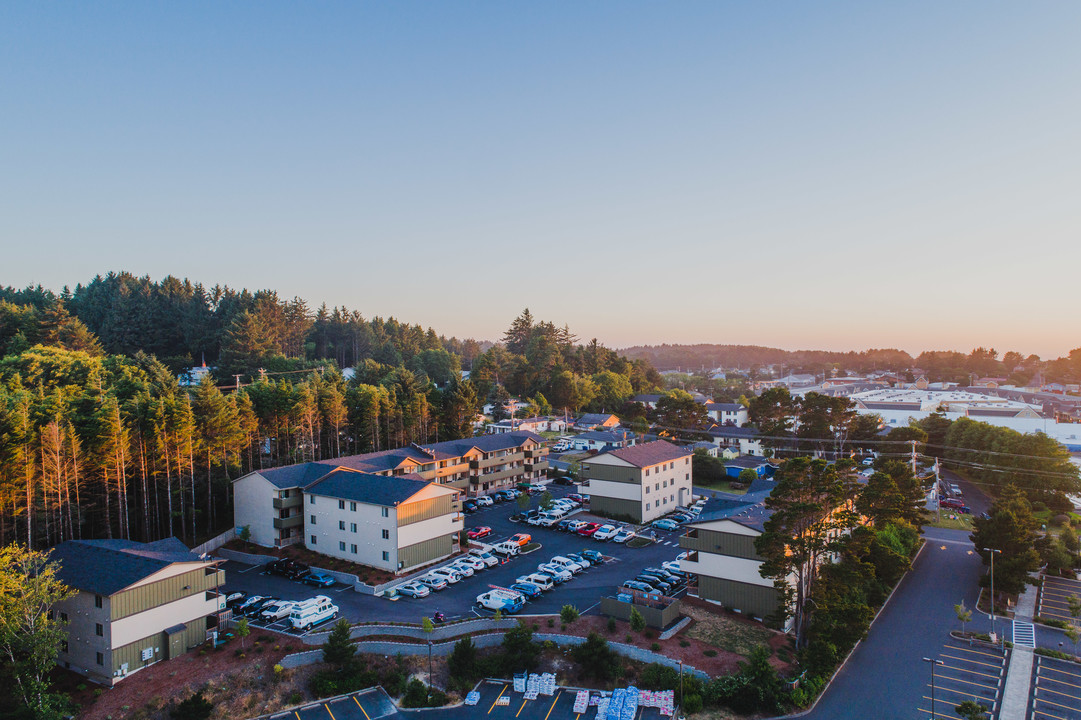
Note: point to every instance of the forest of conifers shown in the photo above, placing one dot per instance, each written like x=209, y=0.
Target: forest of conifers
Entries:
x=98, y=439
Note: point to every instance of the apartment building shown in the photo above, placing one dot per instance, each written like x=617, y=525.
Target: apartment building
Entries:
x=642, y=482
x=137, y=604
x=721, y=552
x=270, y=503
x=727, y=413
x=393, y=525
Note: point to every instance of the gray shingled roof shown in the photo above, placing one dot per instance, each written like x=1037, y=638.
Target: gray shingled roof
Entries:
x=105, y=567
x=724, y=407
x=605, y=435
x=304, y=474
x=731, y=431
x=752, y=462
x=346, y=484
x=651, y=453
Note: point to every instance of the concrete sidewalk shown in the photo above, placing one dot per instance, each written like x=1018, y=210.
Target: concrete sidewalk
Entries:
x=1015, y=695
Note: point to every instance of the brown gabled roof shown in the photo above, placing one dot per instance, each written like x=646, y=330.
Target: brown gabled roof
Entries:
x=651, y=453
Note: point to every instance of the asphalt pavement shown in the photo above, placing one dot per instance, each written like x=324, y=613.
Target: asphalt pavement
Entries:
x=584, y=591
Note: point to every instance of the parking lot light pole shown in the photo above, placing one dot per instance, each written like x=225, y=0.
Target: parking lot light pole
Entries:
x=933, y=663
x=681, y=684
x=993, y=553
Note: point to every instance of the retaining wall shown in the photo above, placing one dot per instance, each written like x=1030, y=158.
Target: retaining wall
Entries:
x=439, y=633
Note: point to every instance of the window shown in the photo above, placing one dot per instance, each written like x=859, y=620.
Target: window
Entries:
x=63, y=646
x=386, y=555
x=311, y=499
x=313, y=539
x=99, y=630
x=341, y=504
x=353, y=527
x=341, y=524
x=63, y=617
x=687, y=476
x=647, y=489
x=353, y=549
x=687, y=461
x=386, y=534
x=647, y=506
x=353, y=506
x=386, y=512
x=97, y=601
x=647, y=472
x=341, y=546
x=313, y=519
x=656, y=486
x=100, y=659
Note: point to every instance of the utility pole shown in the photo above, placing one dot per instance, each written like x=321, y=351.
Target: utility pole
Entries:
x=913, y=443
x=237, y=378
x=993, y=553
x=938, y=492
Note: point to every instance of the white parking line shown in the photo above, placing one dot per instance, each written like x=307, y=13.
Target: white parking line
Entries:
x=253, y=567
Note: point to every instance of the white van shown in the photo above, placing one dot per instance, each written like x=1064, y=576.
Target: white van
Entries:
x=311, y=612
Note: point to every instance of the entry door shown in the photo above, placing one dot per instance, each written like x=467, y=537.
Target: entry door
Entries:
x=175, y=645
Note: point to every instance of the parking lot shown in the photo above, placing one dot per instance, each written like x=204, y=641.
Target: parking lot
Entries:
x=1056, y=689
x=364, y=705
x=458, y=600
x=1054, y=596
x=966, y=673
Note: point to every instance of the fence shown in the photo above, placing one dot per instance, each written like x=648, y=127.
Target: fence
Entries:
x=214, y=543
x=492, y=639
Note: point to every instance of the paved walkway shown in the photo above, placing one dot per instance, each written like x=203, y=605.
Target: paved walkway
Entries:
x=1019, y=677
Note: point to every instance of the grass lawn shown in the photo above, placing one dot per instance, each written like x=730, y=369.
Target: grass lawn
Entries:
x=638, y=542
x=725, y=632
x=950, y=521
x=721, y=485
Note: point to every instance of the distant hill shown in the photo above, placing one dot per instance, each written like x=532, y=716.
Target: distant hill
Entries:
x=692, y=358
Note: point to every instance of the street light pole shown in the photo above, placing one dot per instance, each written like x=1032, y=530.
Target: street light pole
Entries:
x=429, y=668
x=680, y=683
x=933, y=663
x=993, y=553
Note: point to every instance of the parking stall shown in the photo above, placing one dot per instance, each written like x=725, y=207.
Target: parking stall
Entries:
x=1056, y=690
x=963, y=672
x=1055, y=594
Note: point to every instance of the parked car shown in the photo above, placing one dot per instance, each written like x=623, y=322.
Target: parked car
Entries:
x=245, y=606
x=485, y=501
x=538, y=580
x=502, y=600
x=257, y=607
x=451, y=575
x=664, y=575
x=528, y=589
x=567, y=564
x=664, y=524
x=232, y=600
x=433, y=582
x=639, y=586
x=624, y=534
x=469, y=506
x=563, y=480
x=485, y=557
x=414, y=590
x=560, y=575
x=459, y=567
x=655, y=581
x=951, y=503
x=507, y=548
x=605, y=532
x=522, y=539
x=576, y=525
x=473, y=562
x=588, y=529
x=575, y=557
x=563, y=524
x=318, y=579
x=672, y=566
x=276, y=611
x=593, y=556
x=479, y=532
x=576, y=498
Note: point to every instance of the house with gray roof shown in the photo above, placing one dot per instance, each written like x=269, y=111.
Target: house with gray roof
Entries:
x=727, y=413
x=601, y=440
x=639, y=483
x=135, y=604
x=742, y=440
x=596, y=421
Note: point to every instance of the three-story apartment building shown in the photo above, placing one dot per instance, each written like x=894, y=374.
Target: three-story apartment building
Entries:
x=136, y=604
x=641, y=482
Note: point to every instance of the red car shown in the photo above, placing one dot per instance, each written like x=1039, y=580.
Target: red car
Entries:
x=951, y=503
x=479, y=532
x=521, y=538
x=589, y=529
x=576, y=498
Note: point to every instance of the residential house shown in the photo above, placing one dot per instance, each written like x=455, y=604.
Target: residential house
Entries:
x=392, y=524
x=601, y=440
x=727, y=413
x=642, y=482
x=596, y=421
x=135, y=604
x=650, y=400
x=761, y=466
x=270, y=504
x=707, y=447
x=743, y=440
x=533, y=424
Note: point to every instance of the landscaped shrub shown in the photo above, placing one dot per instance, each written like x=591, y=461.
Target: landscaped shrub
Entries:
x=596, y=659
x=195, y=707
x=692, y=704
x=568, y=614
x=655, y=647
x=611, y=625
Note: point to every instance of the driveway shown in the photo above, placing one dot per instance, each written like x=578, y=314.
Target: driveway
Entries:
x=584, y=591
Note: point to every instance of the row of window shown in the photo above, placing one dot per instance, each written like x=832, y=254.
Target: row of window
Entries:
x=353, y=547
x=341, y=506
x=668, y=466
x=663, y=501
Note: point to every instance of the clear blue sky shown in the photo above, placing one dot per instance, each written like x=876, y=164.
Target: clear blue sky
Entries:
x=821, y=175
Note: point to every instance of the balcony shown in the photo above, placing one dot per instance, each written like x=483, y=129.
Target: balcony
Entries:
x=499, y=475
x=289, y=522
x=289, y=502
